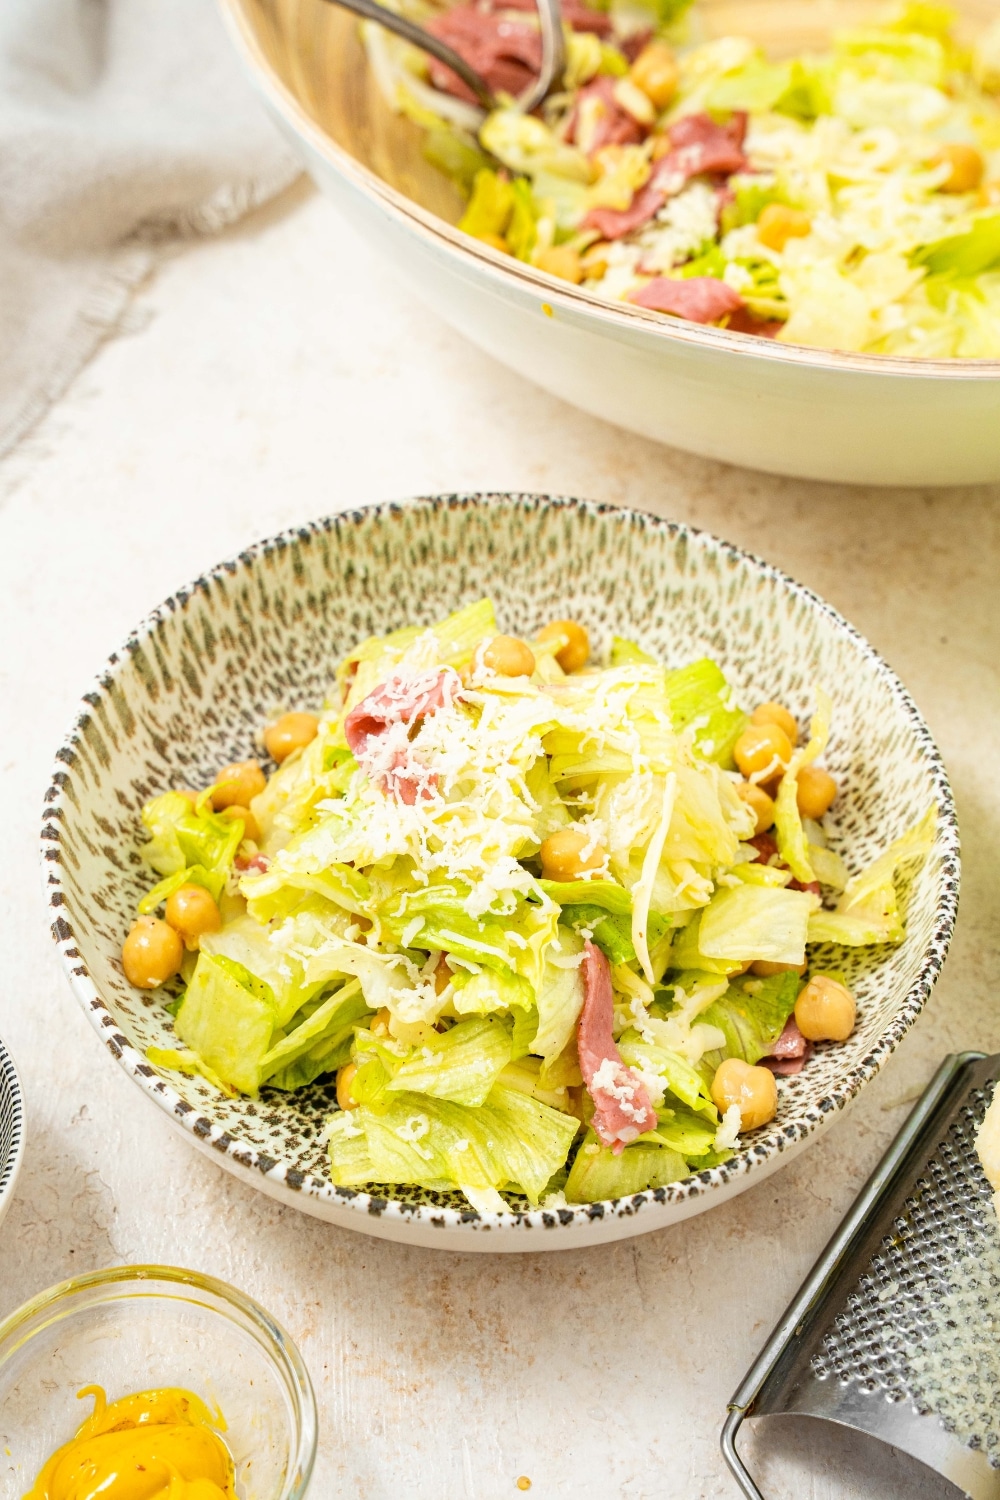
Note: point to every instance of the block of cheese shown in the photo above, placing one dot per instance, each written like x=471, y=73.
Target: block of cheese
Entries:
x=988, y=1146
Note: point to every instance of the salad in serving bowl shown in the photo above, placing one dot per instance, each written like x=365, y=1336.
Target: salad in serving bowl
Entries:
x=867, y=358
x=451, y=920
x=846, y=199
x=548, y=924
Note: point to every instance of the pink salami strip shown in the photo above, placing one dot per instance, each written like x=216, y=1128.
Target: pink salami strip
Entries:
x=699, y=299
x=622, y=1107
x=378, y=730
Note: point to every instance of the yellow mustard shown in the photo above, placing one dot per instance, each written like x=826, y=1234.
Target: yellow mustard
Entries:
x=155, y=1445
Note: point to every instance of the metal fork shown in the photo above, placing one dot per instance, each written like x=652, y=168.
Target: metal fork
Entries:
x=553, y=49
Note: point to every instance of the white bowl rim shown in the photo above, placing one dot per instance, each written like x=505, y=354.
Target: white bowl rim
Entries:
x=281, y=1176
x=552, y=291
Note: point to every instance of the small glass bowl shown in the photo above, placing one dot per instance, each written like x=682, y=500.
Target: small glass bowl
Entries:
x=136, y=1328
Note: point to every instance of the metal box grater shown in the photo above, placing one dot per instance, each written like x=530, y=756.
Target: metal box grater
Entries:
x=896, y=1330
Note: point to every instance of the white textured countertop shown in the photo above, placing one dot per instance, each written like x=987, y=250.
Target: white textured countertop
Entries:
x=272, y=376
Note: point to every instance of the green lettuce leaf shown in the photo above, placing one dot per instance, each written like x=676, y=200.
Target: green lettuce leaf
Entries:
x=686, y=951
x=511, y=1141
x=699, y=696
x=522, y=231
x=751, y=922
x=751, y=1015
x=606, y=895
x=188, y=847
x=317, y=1041
x=597, y=1174
x=228, y=1018
x=626, y=653
x=456, y=154
x=868, y=909
x=461, y=1064
x=492, y=991
x=679, y=1077
x=968, y=253
x=560, y=995
x=613, y=933
x=793, y=845
x=685, y=1132
x=527, y=146
x=757, y=85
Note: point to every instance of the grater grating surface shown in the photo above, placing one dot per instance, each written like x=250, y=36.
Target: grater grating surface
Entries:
x=896, y=1332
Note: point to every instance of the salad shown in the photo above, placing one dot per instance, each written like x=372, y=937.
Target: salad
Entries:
x=848, y=200
x=547, y=923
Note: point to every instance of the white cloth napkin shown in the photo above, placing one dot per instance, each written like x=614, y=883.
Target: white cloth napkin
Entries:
x=123, y=124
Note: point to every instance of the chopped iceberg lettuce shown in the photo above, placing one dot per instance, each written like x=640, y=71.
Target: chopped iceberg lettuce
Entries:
x=511, y=1142
x=597, y=1173
x=317, y=1041
x=751, y=1015
x=406, y=927
x=868, y=909
x=228, y=1018
x=461, y=1064
x=678, y=1076
x=967, y=253
x=700, y=699
x=793, y=845
x=757, y=922
x=189, y=846
x=560, y=995
x=454, y=152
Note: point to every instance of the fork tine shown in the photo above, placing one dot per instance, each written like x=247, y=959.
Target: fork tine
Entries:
x=553, y=49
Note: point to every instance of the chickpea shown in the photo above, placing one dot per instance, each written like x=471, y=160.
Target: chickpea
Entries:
x=509, y=656
x=777, y=713
x=760, y=747
x=753, y=1089
x=965, y=164
x=192, y=797
x=988, y=195
x=575, y=652
x=561, y=261
x=237, y=784
x=289, y=733
x=563, y=854
x=595, y=260
x=191, y=911
x=151, y=954
x=345, y=1077
x=442, y=976
x=778, y=224
x=251, y=828
x=825, y=1010
x=495, y=242
x=815, y=791
x=765, y=969
x=655, y=71
x=762, y=805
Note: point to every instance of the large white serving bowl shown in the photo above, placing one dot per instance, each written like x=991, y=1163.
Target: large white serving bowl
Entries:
x=747, y=400
x=195, y=681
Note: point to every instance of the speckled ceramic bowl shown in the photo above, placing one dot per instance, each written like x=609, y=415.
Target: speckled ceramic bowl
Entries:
x=11, y=1129
x=193, y=682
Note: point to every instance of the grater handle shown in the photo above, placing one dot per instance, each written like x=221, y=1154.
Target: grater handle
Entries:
x=738, y=1468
